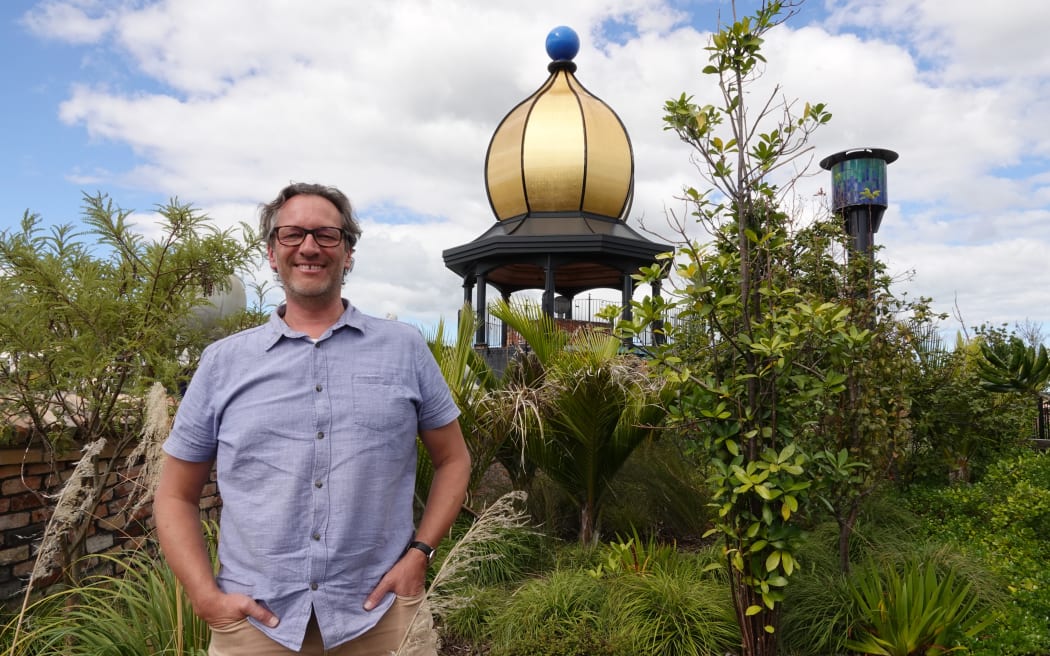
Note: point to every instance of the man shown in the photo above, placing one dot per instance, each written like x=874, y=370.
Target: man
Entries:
x=311, y=421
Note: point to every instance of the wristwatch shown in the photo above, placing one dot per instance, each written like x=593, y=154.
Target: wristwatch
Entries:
x=427, y=550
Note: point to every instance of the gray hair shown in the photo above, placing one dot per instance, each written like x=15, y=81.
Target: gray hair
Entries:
x=268, y=212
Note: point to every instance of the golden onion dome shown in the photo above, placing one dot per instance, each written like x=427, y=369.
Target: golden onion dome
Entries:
x=562, y=151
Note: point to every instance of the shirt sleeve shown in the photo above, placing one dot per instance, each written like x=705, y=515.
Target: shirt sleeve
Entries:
x=193, y=434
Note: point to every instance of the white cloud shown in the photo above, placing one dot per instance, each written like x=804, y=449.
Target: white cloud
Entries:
x=395, y=103
x=78, y=21
x=965, y=41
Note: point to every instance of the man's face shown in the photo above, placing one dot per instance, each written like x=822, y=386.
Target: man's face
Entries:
x=310, y=272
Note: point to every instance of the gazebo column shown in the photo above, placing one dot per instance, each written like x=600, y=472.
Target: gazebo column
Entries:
x=548, y=287
x=481, y=328
x=659, y=338
x=468, y=289
x=563, y=306
x=628, y=294
x=504, y=328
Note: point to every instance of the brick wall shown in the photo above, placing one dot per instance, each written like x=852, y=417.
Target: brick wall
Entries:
x=28, y=478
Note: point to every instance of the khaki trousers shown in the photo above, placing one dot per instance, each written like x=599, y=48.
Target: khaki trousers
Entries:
x=384, y=639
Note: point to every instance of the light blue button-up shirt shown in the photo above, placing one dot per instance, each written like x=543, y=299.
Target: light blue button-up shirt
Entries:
x=315, y=452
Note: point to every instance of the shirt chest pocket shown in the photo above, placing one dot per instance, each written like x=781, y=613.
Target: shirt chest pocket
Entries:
x=381, y=404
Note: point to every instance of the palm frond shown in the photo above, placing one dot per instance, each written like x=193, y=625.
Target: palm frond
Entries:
x=536, y=328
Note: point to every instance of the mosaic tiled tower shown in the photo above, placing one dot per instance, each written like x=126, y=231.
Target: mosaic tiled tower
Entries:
x=859, y=192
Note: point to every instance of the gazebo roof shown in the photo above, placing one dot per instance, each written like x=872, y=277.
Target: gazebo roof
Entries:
x=559, y=174
x=585, y=253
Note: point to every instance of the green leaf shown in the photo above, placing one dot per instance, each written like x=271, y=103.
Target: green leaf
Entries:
x=773, y=561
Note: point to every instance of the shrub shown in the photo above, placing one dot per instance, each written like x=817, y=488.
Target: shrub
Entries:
x=1003, y=521
x=507, y=556
x=633, y=596
x=672, y=615
x=912, y=611
x=820, y=610
x=960, y=429
x=561, y=615
x=634, y=555
x=817, y=614
x=470, y=622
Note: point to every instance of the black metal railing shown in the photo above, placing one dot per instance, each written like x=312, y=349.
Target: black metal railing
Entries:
x=583, y=310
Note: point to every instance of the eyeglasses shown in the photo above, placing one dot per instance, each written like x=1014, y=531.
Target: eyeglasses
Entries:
x=326, y=237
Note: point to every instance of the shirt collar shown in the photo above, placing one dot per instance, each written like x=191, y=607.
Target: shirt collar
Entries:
x=278, y=328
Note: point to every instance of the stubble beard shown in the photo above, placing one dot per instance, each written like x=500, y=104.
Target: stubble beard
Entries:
x=311, y=291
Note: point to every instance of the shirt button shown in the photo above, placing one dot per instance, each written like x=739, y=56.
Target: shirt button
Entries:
x=320, y=435
x=316, y=536
x=318, y=484
x=313, y=585
x=317, y=344
x=318, y=387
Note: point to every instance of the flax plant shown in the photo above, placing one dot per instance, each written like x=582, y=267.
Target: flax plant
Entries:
x=916, y=611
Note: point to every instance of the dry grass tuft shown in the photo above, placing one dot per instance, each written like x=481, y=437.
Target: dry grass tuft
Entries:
x=155, y=429
x=75, y=501
x=467, y=553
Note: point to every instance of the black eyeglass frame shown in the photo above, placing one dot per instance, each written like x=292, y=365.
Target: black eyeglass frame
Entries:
x=314, y=232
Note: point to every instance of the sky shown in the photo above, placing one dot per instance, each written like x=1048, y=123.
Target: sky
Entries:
x=221, y=104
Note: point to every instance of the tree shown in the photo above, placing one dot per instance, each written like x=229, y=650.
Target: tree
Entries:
x=593, y=405
x=768, y=358
x=854, y=446
x=88, y=327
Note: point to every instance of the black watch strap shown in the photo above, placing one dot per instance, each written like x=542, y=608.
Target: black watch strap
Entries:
x=427, y=550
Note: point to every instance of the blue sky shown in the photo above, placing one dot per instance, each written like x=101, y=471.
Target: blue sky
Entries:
x=221, y=104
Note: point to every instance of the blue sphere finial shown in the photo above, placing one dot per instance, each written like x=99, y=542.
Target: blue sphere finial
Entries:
x=562, y=43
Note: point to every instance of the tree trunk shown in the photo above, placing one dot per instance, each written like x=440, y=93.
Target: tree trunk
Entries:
x=846, y=525
x=754, y=639
x=587, y=535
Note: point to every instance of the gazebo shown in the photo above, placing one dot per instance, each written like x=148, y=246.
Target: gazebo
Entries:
x=559, y=174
